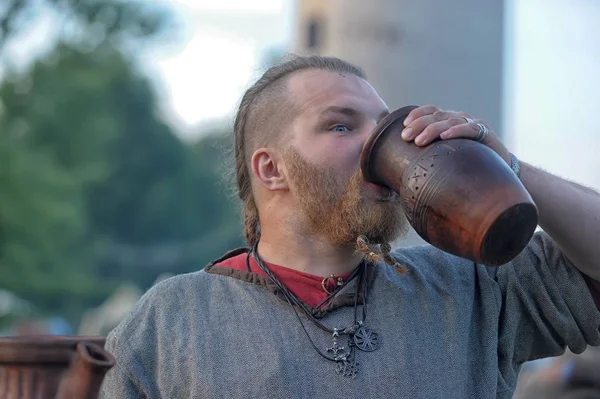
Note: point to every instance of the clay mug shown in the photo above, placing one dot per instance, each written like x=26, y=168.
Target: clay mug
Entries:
x=52, y=367
x=458, y=194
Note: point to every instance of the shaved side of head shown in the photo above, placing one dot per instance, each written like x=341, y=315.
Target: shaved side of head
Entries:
x=271, y=113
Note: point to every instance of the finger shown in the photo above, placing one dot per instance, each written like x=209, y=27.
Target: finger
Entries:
x=417, y=127
x=466, y=130
x=464, y=115
x=420, y=112
x=421, y=123
x=443, y=115
x=434, y=130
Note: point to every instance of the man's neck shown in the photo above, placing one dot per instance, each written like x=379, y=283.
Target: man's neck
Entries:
x=307, y=254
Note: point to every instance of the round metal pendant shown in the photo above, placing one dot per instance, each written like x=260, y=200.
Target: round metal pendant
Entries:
x=366, y=339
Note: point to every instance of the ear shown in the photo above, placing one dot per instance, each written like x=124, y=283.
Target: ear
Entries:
x=269, y=169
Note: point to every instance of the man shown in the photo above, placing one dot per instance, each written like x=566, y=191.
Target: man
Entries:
x=302, y=313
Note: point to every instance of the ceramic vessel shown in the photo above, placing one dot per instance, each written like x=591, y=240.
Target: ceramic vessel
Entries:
x=52, y=367
x=457, y=194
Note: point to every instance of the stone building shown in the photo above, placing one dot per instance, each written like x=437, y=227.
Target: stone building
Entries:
x=414, y=52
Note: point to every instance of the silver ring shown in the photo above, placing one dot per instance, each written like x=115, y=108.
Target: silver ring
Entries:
x=483, y=132
x=469, y=120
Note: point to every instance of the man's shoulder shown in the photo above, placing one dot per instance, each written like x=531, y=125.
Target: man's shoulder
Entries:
x=164, y=319
x=432, y=264
x=167, y=295
x=186, y=289
x=179, y=287
x=189, y=286
x=427, y=267
x=429, y=259
x=182, y=296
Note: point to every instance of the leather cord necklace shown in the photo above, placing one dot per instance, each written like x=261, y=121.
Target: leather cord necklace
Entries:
x=359, y=336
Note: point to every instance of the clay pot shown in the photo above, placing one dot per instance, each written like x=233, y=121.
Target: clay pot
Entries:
x=457, y=194
x=52, y=367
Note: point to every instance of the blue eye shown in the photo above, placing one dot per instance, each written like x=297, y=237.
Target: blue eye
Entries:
x=341, y=128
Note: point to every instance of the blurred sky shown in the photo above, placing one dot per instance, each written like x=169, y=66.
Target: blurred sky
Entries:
x=224, y=42
x=552, y=83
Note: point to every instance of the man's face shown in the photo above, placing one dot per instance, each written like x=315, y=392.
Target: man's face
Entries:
x=337, y=114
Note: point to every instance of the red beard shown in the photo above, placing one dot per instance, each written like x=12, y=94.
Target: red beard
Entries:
x=337, y=210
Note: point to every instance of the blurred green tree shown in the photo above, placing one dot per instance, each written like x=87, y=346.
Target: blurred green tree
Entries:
x=114, y=182
x=88, y=23
x=57, y=129
x=94, y=188
x=40, y=224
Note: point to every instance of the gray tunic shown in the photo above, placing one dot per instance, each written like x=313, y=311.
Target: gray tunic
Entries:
x=449, y=329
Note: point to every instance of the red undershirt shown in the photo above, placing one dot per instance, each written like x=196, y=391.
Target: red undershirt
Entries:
x=308, y=289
